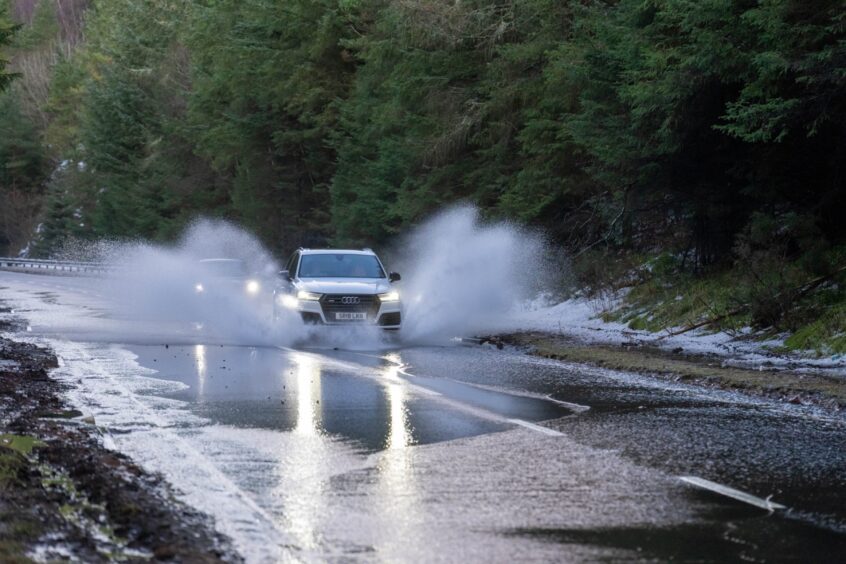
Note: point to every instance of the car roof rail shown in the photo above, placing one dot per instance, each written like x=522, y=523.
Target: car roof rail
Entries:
x=367, y=249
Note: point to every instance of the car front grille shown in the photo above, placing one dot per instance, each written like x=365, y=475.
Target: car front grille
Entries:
x=353, y=303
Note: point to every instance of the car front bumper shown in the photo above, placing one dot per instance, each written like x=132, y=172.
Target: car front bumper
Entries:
x=386, y=315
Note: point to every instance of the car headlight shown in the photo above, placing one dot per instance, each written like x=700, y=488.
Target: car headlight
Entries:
x=307, y=296
x=392, y=296
x=253, y=287
x=287, y=300
x=199, y=288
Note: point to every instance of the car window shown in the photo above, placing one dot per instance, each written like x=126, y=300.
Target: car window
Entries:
x=291, y=267
x=340, y=265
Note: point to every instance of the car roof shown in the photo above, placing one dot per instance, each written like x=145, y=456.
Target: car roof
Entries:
x=337, y=251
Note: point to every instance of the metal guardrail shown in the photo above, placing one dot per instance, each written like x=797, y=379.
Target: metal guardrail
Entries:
x=57, y=267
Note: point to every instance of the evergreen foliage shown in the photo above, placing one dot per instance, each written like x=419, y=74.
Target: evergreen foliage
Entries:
x=22, y=167
x=649, y=125
x=7, y=33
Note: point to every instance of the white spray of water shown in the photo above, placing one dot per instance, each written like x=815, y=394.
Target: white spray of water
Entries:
x=461, y=277
x=154, y=284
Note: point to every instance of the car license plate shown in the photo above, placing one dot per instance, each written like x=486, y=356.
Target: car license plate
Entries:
x=350, y=316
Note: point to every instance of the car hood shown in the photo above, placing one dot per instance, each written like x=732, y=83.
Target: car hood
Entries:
x=344, y=285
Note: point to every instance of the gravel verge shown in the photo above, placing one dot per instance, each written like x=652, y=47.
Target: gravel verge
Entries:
x=65, y=496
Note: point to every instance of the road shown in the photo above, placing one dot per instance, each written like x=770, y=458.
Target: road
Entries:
x=330, y=452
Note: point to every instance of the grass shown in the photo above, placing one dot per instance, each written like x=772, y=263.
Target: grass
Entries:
x=83, y=514
x=660, y=303
x=14, y=454
x=10, y=464
x=77, y=510
x=666, y=300
x=825, y=335
x=20, y=444
x=15, y=451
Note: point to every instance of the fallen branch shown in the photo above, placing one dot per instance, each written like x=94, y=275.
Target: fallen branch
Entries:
x=801, y=291
x=816, y=282
x=709, y=321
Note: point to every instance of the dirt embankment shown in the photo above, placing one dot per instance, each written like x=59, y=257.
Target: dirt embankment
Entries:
x=63, y=495
x=826, y=391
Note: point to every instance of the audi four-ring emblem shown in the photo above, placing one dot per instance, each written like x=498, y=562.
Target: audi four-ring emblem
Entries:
x=350, y=300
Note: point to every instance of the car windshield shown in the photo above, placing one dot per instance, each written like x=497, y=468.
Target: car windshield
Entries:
x=224, y=268
x=340, y=265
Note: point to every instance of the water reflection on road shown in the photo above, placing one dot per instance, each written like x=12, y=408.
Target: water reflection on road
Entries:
x=399, y=498
x=353, y=456
x=337, y=456
x=308, y=393
x=304, y=492
x=301, y=487
x=200, y=357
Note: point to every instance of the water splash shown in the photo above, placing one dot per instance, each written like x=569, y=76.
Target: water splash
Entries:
x=463, y=276
x=169, y=286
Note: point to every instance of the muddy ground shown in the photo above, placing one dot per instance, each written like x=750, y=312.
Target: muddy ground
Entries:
x=823, y=390
x=63, y=495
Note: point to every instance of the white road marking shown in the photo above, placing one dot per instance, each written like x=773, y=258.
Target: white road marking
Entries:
x=423, y=390
x=536, y=428
x=473, y=410
x=727, y=491
x=456, y=404
x=576, y=407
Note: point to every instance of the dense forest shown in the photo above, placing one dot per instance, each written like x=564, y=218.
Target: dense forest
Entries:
x=698, y=137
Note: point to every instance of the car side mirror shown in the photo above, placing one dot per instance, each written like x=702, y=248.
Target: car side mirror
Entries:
x=285, y=275
x=394, y=277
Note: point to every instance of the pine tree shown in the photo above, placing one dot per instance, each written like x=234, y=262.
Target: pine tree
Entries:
x=7, y=33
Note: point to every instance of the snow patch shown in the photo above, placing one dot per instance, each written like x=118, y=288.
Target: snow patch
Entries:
x=578, y=318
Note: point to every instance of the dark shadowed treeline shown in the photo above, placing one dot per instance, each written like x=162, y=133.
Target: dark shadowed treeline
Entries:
x=712, y=130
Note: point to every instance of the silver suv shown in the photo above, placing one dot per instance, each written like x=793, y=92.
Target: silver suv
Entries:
x=339, y=287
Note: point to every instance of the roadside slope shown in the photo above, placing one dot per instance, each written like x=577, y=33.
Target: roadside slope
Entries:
x=574, y=331
x=66, y=496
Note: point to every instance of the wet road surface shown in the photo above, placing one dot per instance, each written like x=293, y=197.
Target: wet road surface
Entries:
x=410, y=453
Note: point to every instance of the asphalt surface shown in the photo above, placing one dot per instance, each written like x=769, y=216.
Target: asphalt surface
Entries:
x=402, y=452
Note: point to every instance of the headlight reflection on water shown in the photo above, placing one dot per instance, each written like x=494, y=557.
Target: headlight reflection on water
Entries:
x=200, y=360
x=308, y=395
x=399, y=433
x=399, y=498
x=310, y=458
x=303, y=494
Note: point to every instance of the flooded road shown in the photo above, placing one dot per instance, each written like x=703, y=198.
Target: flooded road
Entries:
x=456, y=454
